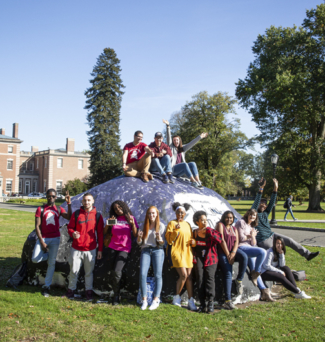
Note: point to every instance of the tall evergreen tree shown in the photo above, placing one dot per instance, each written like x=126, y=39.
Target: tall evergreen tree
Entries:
x=103, y=104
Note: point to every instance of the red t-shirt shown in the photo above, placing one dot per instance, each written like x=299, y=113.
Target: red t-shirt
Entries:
x=135, y=152
x=50, y=227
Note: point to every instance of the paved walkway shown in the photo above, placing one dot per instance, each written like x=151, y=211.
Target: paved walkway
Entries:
x=21, y=207
x=313, y=221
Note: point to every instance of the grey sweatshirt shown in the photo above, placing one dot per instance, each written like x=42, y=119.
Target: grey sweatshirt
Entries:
x=151, y=241
x=186, y=147
x=270, y=265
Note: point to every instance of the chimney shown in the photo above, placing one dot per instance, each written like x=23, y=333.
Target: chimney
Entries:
x=70, y=145
x=2, y=131
x=34, y=149
x=15, y=130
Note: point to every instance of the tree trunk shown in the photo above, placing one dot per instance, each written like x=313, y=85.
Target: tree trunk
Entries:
x=314, y=194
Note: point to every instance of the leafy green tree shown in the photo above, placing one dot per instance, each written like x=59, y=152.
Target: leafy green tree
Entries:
x=103, y=105
x=284, y=91
x=74, y=187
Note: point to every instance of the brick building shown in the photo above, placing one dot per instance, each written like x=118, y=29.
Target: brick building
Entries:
x=37, y=171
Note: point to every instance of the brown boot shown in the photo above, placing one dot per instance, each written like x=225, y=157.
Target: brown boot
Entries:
x=266, y=296
x=150, y=177
x=144, y=177
x=254, y=276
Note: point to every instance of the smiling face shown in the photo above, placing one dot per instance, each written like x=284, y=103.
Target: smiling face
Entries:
x=202, y=222
x=180, y=214
x=176, y=141
x=279, y=246
x=152, y=215
x=262, y=207
x=88, y=202
x=229, y=219
x=138, y=138
x=51, y=196
x=118, y=209
x=158, y=141
x=251, y=218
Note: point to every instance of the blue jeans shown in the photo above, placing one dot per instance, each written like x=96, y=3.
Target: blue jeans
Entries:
x=289, y=210
x=185, y=169
x=39, y=255
x=163, y=165
x=256, y=257
x=242, y=258
x=158, y=256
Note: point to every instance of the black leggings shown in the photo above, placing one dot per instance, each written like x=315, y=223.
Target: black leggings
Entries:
x=288, y=281
x=115, y=262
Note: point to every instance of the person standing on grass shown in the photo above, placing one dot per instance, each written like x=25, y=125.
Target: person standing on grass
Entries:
x=288, y=205
x=228, y=253
x=47, y=229
x=274, y=269
x=151, y=239
x=247, y=243
x=206, y=260
x=265, y=236
x=83, y=228
x=136, y=158
x=179, y=237
x=120, y=243
x=179, y=166
x=160, y=161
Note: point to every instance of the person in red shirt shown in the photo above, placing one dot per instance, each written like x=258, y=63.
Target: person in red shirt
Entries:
x=136, y=158
x=161, y=162
x=47, y=229
x=83, y=249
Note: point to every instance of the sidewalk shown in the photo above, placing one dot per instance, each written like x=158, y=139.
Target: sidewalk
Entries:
x=311, y=221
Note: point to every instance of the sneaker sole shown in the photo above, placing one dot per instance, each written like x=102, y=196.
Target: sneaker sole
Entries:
x=176, y=304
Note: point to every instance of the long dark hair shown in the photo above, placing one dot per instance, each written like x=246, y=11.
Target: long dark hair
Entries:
x=126, y=210
x=180, y=147
x=250, y=212
x=276, y=254
x=223, y=217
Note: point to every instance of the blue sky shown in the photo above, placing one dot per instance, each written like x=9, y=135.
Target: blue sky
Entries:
x=169, y=51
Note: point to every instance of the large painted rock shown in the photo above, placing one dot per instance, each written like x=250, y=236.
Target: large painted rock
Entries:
x=139, y=196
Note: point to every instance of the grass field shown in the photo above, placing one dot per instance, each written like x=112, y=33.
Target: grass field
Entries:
x=27, y=316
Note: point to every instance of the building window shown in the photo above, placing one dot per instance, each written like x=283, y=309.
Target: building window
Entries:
x=80, y=164
x=31, y=167
x=45, y=162
x=35, y=186
x=20, y=185
x=44, y=190
x=23, y=167
x=9, y=185
x=36, y=163
x=60, y=163
x=10, y=149
x=10, y=164
x=59, y=187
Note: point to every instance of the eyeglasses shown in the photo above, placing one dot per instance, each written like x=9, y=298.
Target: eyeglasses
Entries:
x=51, y=196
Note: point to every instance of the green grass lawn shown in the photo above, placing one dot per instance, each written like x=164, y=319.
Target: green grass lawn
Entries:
x=27, y=316
x=34, y=201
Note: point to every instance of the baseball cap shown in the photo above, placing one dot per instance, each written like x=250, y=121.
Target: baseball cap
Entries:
x=158, y=135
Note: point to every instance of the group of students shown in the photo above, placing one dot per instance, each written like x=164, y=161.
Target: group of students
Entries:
x=140, y=160
x=249, y=241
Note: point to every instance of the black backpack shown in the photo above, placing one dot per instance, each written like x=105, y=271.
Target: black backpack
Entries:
x=285, y=205
x=18, y=275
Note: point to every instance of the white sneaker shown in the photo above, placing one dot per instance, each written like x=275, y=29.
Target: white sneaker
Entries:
x=285, y=220
x=302, y=295
x=154, y=305
x=191, y=304
x=177, y=300
x=295, y=219
x=144, y=305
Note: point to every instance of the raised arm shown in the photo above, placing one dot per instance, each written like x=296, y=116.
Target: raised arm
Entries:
x=67, y=215
x=189, y=145
x=169, y=136
x=258, y=197
x=273, y=197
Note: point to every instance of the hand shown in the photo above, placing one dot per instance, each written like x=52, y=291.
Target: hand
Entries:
x=124, y=167
x=76, y=235
x=99, y=255
x=166, y=122
x=67, y=197
x=158, y=237
x=262, y=182
x=253, y=232
x=44, y=247
x=204, y=135
x=276, y=184
x=111, y=218
x=177, y=226
x=140, y=234
x=160, y=155
x=147, y=149
x=190, y=242
x=152, y=154
x=163, y=151
x=130, y=219
x=283, y=274
x=231, y=258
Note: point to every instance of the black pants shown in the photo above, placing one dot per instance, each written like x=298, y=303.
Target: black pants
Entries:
x=205, y=280
x=288, y=281
x=115, y=262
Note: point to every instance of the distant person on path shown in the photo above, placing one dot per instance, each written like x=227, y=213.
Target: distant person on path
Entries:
x=179, y=165
x=86, y=229
x=136, y=158
x=47, y=229
x=265, y=235
x=274, y=269
x=160, y=161
x=151, y=239
x=288, y=205
x=179, y=237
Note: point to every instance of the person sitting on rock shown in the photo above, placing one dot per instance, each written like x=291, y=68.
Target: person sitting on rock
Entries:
x=274, y=269
x=120, y=243
x=179, y=237
x=179, y=166
x=86, y=229
x=160, y=161
x=265, y=236
x=47, y=229
x=228, y=253
x=136, y=158
x=151, y=239
x=206, y=260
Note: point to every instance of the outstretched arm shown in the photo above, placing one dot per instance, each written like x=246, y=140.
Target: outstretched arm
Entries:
x=169, y=136
x=258, y=197
x=273, y=197
x=189, y=145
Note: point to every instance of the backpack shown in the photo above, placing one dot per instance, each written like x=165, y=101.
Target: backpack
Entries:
x=18, y=275
x=285, y=205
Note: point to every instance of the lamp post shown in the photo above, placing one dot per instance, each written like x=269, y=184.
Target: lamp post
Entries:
x=274, y=161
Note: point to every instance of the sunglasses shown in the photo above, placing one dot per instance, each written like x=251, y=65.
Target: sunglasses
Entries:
x=51, y=196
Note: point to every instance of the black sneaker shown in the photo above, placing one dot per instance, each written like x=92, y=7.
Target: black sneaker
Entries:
x=170, y=177
x=45, y=291
x=89, y=295
x=312, y=256
x=165, y=179
x=210, y=306
x=116, y=300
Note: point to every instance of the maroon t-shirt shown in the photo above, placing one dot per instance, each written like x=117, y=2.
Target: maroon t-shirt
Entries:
x=135, y=152
x=230, y=238
x=50, y=227
x=179, y=158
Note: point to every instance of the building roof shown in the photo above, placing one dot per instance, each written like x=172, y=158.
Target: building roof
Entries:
x=6, y=137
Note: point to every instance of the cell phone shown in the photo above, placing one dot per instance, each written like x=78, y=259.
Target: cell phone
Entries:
x=110, y=222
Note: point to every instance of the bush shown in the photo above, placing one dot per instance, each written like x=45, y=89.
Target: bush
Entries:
x=74, y=187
